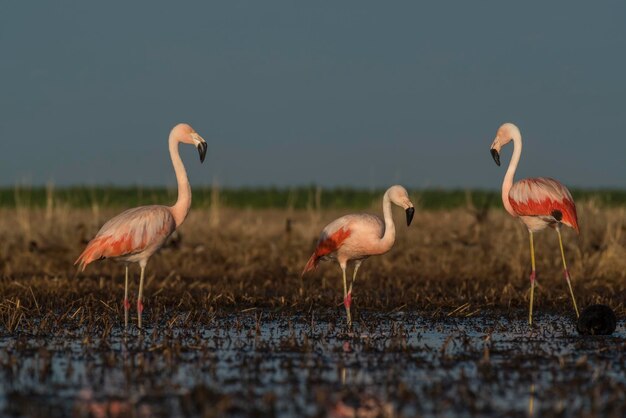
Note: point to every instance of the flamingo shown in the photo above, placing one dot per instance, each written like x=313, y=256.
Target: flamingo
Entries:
x=356, y=237
x=134, y=235
x=538, y=202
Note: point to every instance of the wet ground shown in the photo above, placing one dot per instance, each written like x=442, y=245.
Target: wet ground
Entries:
x=271, y=363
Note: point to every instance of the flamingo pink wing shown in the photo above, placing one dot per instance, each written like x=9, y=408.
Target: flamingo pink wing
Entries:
x=544, y=197
x=327, y=244
x=129, y=233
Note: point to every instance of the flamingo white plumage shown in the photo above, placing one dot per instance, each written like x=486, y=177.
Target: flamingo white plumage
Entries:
x=134, y=235
x=538, y=202
x=358, y=236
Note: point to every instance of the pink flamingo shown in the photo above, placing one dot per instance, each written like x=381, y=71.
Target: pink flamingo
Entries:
x=356, y=237
x=538, y=202
x=134, y=235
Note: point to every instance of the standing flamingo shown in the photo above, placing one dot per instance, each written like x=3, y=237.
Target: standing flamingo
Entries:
x=136, y=234
x=356, y=237
x=538, y=202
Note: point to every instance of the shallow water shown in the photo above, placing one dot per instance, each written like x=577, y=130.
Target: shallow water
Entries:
x=263, y=363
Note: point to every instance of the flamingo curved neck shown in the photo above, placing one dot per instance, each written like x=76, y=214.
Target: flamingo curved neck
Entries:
x=183, y=203
x=389, y=237
x=510, y=174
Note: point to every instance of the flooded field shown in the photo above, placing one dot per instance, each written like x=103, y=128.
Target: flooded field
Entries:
x=273, y=363
x=232, y=330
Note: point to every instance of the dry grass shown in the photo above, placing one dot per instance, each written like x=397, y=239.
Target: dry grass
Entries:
x=459, y=260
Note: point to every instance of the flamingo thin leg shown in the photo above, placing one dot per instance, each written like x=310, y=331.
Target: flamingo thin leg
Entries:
x=567, y=278
x=140, y=297
x=532, y=278
x=346, y=296
x=126, y=303
x=356, y=268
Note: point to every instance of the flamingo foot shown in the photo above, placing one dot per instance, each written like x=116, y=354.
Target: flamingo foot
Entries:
x=347, y=301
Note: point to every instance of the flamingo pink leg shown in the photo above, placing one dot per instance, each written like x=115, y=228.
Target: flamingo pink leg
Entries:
x=140, y=297
x=347, y=298
x=126, y=302
x=347, y=301
x=532, y=278
x=357, y=264
x=566, y=272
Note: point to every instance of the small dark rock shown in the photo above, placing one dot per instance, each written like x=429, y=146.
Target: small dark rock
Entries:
x=597, y=320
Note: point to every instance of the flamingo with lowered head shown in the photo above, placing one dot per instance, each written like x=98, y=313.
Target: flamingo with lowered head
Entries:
x=538, y=202
x=358, y=236
x=134, y=235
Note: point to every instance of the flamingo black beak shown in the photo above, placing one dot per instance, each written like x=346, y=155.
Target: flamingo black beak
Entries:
x=496, y=156
x=409, y=215
x=202, y=147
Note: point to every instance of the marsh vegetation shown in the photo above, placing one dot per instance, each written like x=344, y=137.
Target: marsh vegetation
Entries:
x=234, y=330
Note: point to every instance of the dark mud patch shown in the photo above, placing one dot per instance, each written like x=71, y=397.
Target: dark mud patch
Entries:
x=266, y=363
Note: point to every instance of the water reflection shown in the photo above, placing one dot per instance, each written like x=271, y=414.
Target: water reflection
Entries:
x=86, y=405
x=531, y=401
x=281, y=365
x=353, y=405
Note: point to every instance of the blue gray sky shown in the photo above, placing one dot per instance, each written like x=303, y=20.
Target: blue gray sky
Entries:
x=336, y=93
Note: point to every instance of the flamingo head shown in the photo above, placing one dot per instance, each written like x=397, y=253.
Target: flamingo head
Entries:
x=186, y=134
x=399, y=196
x=506, y=133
